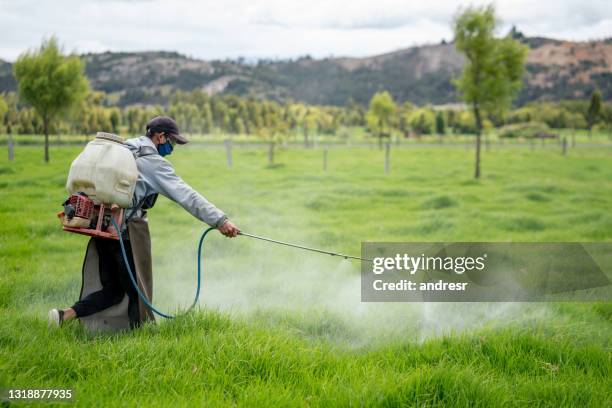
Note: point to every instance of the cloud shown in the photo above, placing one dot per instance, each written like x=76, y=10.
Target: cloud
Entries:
x=274, y=28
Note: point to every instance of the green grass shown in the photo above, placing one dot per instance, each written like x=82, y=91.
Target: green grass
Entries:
x=279, y=327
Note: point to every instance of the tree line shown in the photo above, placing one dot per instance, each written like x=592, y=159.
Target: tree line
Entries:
x=201, y=114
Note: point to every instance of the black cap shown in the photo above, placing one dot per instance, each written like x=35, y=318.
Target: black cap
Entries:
x=168, y=126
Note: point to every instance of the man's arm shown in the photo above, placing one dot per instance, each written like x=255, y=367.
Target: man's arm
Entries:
x=167, y=182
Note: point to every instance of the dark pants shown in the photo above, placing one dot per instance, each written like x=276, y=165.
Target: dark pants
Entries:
x=115, y=282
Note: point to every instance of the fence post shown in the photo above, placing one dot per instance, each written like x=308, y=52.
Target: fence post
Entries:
x=228, y=152
x=387, y=159
x=271, y=153
x=564, y=145
x=11, y=147
x=573, y=140
x=325, y=159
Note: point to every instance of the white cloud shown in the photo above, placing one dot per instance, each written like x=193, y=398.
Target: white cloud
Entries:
x=275, y=28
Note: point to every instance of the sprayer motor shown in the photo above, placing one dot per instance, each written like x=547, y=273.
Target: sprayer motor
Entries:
x=82, y=215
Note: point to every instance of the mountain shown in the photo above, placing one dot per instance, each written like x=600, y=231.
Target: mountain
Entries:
x=555, y=70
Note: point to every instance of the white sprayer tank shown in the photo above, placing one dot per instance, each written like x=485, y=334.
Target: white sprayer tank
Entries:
x=105, y=171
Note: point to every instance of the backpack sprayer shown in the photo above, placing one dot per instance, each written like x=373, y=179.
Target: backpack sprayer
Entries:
x=101, y=183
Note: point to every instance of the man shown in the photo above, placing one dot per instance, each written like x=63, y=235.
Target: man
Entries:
x=108, y=300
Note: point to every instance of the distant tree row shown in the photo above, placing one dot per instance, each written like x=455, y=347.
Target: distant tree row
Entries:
x=198, y=113
x=384, y=116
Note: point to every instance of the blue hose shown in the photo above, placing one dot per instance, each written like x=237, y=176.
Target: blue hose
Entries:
x=142, y=296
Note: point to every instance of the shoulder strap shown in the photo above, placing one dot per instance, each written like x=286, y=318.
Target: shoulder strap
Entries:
x=146, y=202
x=144, y=151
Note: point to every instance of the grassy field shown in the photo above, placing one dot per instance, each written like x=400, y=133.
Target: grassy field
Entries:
x=280, y=327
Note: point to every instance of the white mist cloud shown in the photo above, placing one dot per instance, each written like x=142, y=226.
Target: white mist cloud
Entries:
x=315, y=295
x=274, y=28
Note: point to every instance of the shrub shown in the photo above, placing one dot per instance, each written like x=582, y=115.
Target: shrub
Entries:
x=529, y=129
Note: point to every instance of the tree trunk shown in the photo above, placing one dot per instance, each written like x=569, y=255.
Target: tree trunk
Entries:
x=380, y=134
x=46, y=130
x=325, y=159
x=387, y=161
x=478, y=136
x=271, y=154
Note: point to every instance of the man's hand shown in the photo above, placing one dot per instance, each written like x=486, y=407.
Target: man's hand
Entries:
x=229, y=229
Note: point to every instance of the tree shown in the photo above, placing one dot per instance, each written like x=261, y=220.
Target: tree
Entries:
x=309, y=124
x=115, y=119
x=422, y=121
x=380, y=115
x=50, y=82
x=135, y=118
x=493, y=71
x=207, y=119
x=403, y=118
x=594, y=110
x=440, y=125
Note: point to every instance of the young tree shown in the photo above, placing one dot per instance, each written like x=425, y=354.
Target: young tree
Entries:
x=50, y=82
x=135, y=117
x=309, y=124
x=440, y=125
x=493, y=69
x=115, y=119
x=381, y=114
x=422, y=121
x=594, y=110
x=403, y=118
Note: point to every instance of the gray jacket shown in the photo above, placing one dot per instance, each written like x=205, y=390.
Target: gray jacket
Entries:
x=156, y=175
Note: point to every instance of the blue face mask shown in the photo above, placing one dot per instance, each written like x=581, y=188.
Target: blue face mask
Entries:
x=165, y=149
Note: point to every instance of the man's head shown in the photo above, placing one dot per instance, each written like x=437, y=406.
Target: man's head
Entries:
x=163, y=129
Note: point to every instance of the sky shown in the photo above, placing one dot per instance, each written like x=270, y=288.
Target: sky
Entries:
x=275, y=29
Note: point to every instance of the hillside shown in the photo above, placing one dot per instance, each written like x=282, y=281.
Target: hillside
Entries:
x=555, y=70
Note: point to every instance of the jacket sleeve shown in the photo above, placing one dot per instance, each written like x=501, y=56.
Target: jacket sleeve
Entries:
x=167, y=182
